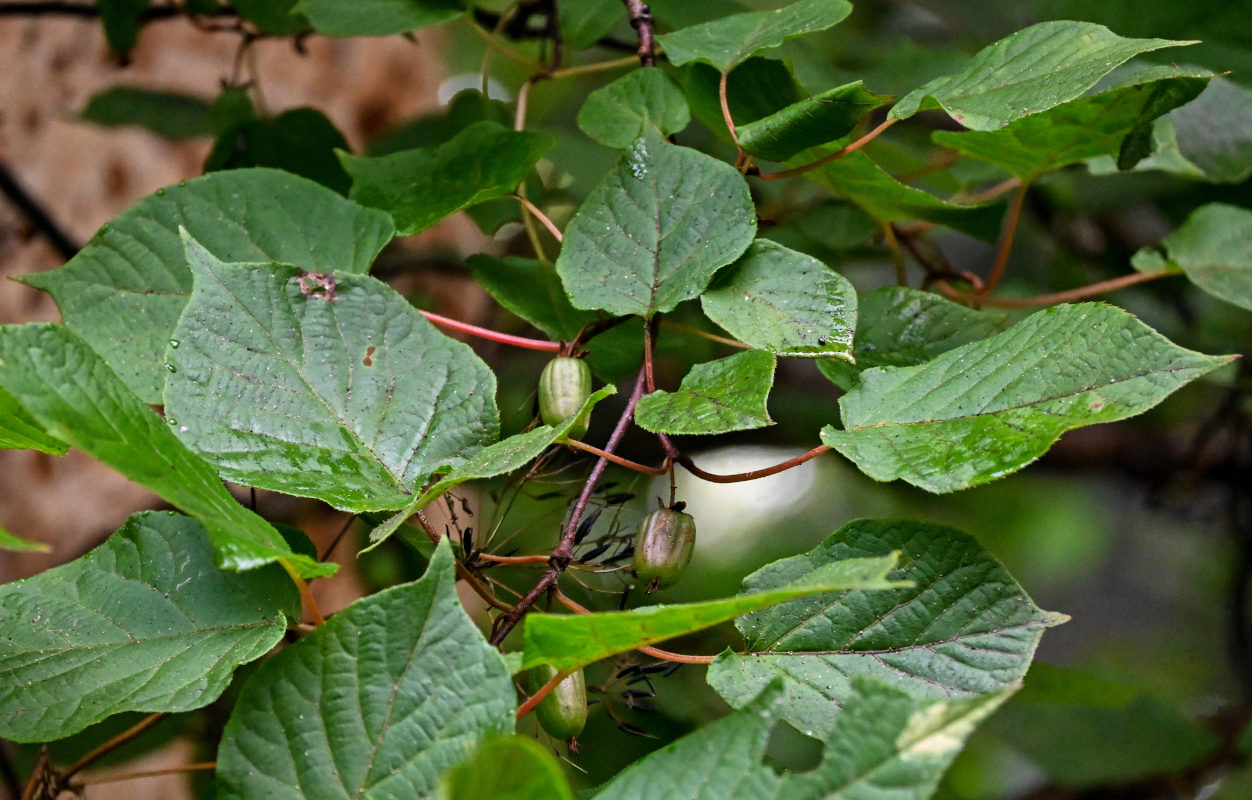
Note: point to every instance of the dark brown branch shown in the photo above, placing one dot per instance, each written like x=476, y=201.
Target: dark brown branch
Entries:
x=641, y=21
x=752, y=475
x=36, y=214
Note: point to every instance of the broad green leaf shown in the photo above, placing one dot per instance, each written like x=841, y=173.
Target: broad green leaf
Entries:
x=716, y=397
x=515, y=768
x=1211, y=247
x=531, y=290
x=376, y=17
x=77, y=398
x=814, y=121
x=504, y=456
x=465, y=108
x=272, y=16
x=302, y=141
x=145, y=622
x=327, y=386
x=122, y=21
x=645, y=102
x=20, y=431
x=653, y=232
x=17, y=544
x=989, y=408
x=755, y=88
x=126, y=289
x=785, y=302
x=379, y=702
x=1214, y=132
x=170, y=115
x=422, y=186
x=1080, y=129
x=568, y=642
x=1030, y=71
x=727, y=41
x=858, y=178
x=585, y=22
x=963, y=628
x=901, y=327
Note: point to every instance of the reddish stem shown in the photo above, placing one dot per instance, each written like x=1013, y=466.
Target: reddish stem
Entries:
x=537, y=698
x=495, y=336
x=754, y=474
x=1068, y=296
x=840, y=153
x=1006, y=239
x=616, y=459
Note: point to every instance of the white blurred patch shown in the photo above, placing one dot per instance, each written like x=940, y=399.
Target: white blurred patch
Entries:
x=472, y=80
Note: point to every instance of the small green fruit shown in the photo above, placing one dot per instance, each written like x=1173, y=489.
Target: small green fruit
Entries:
x=563, y=713
x=563, y=388
x=663, y=547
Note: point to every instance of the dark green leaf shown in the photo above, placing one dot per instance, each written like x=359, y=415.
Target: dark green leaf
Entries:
x=1214, y=132
x=1030, y=71
x=515, y=768
x=645, y=102
x=531, y=290
x=585, y=22
x=653, y=232
x=167, y=114
x=301, y=141
x=989, y=408
x=727, y=41
x=1211, y=247
x=122, y=20
x=379, y=702
x=466, y=108
x=376, y=17
x=420, y=187
x=145, y=622
x=322, y=385
x=963, y=628
x=125, y=290
x=20, y=431
x=755, y=88
x=813, y=121
x=785, y=302
x=76, y=397
x=717, y=397
x=272, y=16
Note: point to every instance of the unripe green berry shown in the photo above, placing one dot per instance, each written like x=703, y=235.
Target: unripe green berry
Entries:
x=563, y=713
x=564, y=386
x=663, y=547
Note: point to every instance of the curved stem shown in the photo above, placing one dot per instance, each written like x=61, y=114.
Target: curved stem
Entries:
x=503, y=49
x=539, y=215
x=463, y=572
x=112, y=744
x=713, y=337
x=840, y=153
x=753, y=474
x=726, y=117
x=148, y=773
x=587, y=69
x=306, y=596
x=513, y=559
x=897, y=258
x=537, y=698
x=495, y=336
x=616, y=459
x=1081, y=293
x=1006, y=238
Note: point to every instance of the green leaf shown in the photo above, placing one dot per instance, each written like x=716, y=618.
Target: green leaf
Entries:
x=420, y=187
x=122, y=20
x=645, y=102
x=126, y=289
x=1080, y=129
x=716, y=397
x=902, y=327
x=20, y=431
x=327, y=386
x=814, y=121
x=989, y=408
x=531, y=290
x=145, y=622
x=785, y=302
x=274, y=17
x=856, y=177
x=465, y=108
x=17, y=544
x=1030, y=71
x=568, y=642
x=653, y=232
x=376, y=17
x=504, y=456
x=1211, y=247
x=727, y=41
x=379, y=702
x=585, y=22
x=515, y=768
x=963, y=628
x=1214, y=132
x=170, y=115
x=755, y=88
x=302, y=141
x=76, y=397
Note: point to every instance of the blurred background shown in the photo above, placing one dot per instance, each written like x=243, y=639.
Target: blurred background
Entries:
x=1141, y=531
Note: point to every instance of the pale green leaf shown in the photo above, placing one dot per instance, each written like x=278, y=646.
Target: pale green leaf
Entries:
x=645, y=102
x=1030, y=71
x=1211, y=247
x=377, y=703
x=963, y=628
x=376, y=17
x=655, y=230
x=716, y=397
x=125, y=290
x=20, y=431
x=531, y=290
x=422, y=186
x=145, y=622
x=989, y=408
x=814, y=121
x=1080, y=129
x=170, y=115
x=327, y=386
x=785, y=302
x=77, y=398
x=568, y=642
x=515, y=768
x=727, y=41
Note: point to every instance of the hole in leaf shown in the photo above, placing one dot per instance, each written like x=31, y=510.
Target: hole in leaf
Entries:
x=789, y=750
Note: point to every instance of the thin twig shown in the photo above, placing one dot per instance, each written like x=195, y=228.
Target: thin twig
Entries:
x=513, y=559
x=897, y=258
x=724, y=101
x=112, y=744
x=990, y=193
x=503, y=49
x=1069, y=296
x=462, y=571
x=537, y=698
x=712, y=337
x=35, y=213
x=306, y=596
x=618, y=460
x=587, y=69
x=641, y=21
x=841, y=152
x=1006, y=239
x=495, y=336
x=764, y=472
x=148, y=773
x=539, y=215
